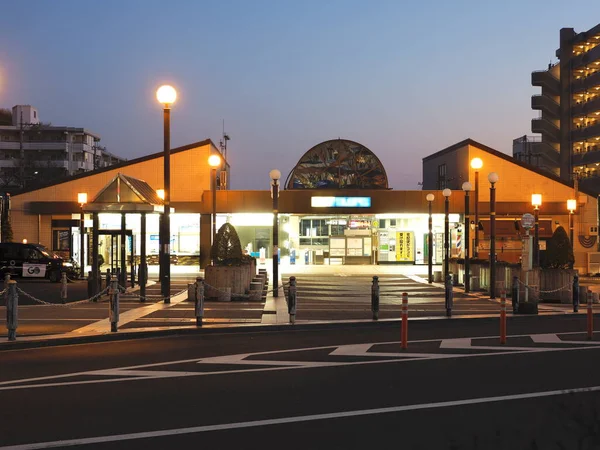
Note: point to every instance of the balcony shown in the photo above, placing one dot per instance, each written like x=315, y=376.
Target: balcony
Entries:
x=546, y=104
x=586, y=133
x=587, y=157
x=546, y=80
x=34, y=146
x=546, y=128
x=586, y=108
x=586, y=84
x=586, y=58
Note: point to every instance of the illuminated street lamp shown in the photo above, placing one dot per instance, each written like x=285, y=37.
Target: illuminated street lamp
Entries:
x=275, y=176
x=476, y=164
x=448, y=280
x=571, y=206
x=430, y=197
x=214, y=161
x=493, y=179
x=466, y=186
x=166, y=95
x=82, y=200
x=536, y=201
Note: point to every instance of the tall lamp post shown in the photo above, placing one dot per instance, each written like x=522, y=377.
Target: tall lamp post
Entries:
x=466, y=186
x=430, y=198
x=571, y=206
x=214, y=161
x=447, y=278
x=493, y=179
x=166, y=95
x=476, y=164
x=82, y=200
x=275, y=176
x=536, y=201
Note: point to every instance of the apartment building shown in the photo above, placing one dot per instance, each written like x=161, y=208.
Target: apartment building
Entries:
x=569, y=111
x=32, y=152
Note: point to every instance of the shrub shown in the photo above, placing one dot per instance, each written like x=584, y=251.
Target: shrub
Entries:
x=559, y=253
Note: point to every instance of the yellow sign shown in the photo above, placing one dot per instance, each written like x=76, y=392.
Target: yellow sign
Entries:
x=405, y=246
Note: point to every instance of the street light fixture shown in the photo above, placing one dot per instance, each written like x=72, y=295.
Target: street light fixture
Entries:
x=166, y=95
x=536, y=201
x=476, y=164
x=430, y=197
x=571, y=206
x=214, y=161
x=466, y=186
x=493, y=179
x=448, y=280
x=82, y=200
x=275, y=176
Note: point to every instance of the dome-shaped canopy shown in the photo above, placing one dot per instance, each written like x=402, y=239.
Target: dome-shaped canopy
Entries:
x=338, y=164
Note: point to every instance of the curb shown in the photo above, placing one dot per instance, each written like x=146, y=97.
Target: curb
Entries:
x=54, y=341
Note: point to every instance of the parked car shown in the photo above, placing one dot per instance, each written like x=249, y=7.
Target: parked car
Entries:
x=31, y=261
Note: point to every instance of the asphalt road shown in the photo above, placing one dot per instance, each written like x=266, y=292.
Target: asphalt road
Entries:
x=342, y=387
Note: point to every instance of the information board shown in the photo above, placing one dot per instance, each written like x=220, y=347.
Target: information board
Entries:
x=405, y=246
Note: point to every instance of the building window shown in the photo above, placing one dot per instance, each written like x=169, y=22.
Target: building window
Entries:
x=61, y=240
x=441, y=179
x=315, y=232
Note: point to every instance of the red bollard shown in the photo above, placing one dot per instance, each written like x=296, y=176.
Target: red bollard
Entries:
x=590, y=316
x=503, y=316
x=404, y=320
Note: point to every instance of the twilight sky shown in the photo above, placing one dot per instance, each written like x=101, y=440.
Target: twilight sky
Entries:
x=404, y=78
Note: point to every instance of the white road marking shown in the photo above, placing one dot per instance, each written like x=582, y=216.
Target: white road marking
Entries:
x=139, y=372
x=297, y=419
x=546, y=339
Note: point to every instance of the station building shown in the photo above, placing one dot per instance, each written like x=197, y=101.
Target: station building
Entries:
x=335, y=207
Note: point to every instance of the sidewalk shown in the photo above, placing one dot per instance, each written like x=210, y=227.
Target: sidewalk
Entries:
x=327, y=295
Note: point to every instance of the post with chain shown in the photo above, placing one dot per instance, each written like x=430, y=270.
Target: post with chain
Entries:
x=503, y=316
x=114, y=305
x=590, y=316
x=63, y=288
x=6, y=280
x=199, y=300
x=404, y=333
x=575, y=293
x=375, y=298
x=12, y=310
x=449, y=300
x=108, y=278
x=515, y=294
x=292, y=300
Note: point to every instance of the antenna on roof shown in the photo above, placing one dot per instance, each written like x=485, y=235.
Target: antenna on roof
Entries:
x=223, y=142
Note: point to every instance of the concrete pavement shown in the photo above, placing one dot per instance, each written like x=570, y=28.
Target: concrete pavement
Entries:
x=326, y=294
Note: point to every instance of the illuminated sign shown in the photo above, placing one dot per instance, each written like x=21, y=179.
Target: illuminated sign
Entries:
x=340, y=202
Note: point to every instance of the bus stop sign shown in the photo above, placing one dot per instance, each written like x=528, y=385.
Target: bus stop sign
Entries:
x=527, y=221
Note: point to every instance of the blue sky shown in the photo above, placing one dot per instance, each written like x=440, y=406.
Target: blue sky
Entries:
x=404, y=78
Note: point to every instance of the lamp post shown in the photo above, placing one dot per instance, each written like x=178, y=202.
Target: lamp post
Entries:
x=466, y=186
x=571, y=206
x=430, y=198
x=214, y=161
x=166, y=95
x=82, y=200
x=476, y=164
x=275, y=176
x=447, y=278
x=493, y=179
x=536, y=201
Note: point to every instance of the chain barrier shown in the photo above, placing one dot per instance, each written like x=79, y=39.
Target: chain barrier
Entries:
x=566, y=287
x=150, y=297
x=44, y=303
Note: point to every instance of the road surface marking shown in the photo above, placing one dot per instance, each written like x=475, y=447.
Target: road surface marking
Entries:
x=140, y=372
x=297, y=419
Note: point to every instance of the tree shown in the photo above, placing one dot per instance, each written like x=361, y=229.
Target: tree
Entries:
x=559, y=252
x=5, y=116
